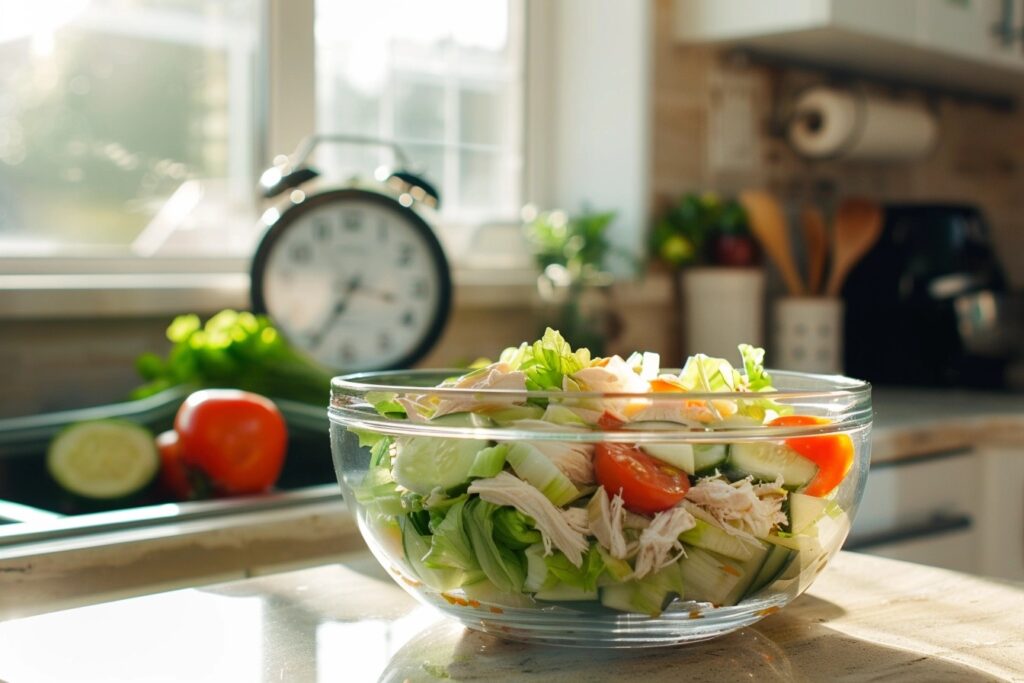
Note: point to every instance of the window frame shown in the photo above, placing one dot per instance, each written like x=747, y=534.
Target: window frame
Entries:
x=94, y=283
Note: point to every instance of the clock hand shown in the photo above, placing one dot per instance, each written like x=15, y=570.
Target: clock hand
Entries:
x=351, y=287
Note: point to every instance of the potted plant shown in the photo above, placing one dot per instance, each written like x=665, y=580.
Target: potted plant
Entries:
x=571, y=253
x=717, y=280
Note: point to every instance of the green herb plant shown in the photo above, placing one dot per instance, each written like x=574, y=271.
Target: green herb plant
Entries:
x=683, y=235
x=233, y=349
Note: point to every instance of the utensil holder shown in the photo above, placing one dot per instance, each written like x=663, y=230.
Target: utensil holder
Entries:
x=722, y=308
x=808, y=335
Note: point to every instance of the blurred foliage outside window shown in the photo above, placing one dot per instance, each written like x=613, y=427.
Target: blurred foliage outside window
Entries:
x=127, y=126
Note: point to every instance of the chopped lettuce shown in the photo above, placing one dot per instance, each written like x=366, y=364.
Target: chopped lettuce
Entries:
x=584, y=576
x=547, y=361
x=514, y=529
x=705, y=374
x=504, y=567
x=753, y=365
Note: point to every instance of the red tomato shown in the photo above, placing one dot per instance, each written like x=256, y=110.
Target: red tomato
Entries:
x=176, y=478
x=236, y=438
x=609, y=422
x=832, y=453
x=646, y=484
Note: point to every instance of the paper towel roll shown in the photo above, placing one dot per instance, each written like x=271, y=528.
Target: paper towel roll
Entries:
x=832, y=123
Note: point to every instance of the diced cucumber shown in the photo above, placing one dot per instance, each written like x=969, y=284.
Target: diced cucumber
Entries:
x=775, y=563
x=767, y=461
x=489, y=461
x=103, y=459
x=506, y=414
x=710, y=537
x=679, y=455
x=614, y=568
x=805, y=511
x=415, y=548
x=563, y=592
x=709, y=457
x=534, y=467
x=465, y=419
x=424, y=463
x=722, y=581
x=649, y=595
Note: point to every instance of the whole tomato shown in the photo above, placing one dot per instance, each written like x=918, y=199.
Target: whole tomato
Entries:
x=236, y=438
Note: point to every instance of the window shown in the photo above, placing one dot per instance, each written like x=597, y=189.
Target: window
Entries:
x=443, y=79
x=127, y=126
x=134, y=127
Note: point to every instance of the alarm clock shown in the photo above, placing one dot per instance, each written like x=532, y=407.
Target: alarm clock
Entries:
x=352, y=275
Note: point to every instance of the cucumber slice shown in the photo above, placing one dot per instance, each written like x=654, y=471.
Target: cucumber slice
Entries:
x=710, y=537
x=722, y=581
x=465, y=419
x=563, y=592
x=709, y=457
x=767, y=461
x=775, y=563
x=103, y=459
x=649, y=595
x=534, y=467
x=424, y=463
x=679, y=455
x=804, y=511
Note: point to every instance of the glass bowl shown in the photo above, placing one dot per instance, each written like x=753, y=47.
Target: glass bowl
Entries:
x=713, y=586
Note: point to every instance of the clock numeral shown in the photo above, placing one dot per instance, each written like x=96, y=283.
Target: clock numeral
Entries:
x=322, y=230
x=384, y=342
x=352, y=221
x=407, y=319
x=301, y=253
x=405, y=254
x=347, y=353
x=420, y=288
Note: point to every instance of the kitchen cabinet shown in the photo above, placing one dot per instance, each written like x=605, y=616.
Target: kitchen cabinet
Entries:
x=969, y=44
x=962, y=510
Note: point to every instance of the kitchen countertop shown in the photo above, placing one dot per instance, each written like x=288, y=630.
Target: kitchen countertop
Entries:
x=865, y=618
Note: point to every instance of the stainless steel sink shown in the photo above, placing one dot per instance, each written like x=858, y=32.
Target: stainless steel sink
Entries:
x=33, y=507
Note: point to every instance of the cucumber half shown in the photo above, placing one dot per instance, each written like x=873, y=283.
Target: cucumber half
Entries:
x=767, y=461
x=103, y=459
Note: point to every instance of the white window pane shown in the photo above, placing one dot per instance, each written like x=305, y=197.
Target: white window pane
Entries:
x=419, y=110
x=110, y=108
x=484, y=179
x=484, y=116
x=445, y=80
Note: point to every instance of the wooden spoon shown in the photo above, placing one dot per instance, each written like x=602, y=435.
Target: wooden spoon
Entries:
x=812, y=224
x=858, y=226
x=768, y=224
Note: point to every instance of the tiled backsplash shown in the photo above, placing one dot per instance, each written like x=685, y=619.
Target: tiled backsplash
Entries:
x=703, y=141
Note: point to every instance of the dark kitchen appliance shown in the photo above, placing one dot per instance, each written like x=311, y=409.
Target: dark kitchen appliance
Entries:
x=929, y=304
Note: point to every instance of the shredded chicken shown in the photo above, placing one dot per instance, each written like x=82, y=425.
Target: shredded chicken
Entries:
x=615, y=376
x=497, y=376
x=556, y=528
x=575, y=460
x=659, y=543
x=752, y=509
x=605, y=519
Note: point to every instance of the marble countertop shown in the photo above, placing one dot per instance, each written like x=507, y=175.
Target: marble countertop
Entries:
x=865, y=618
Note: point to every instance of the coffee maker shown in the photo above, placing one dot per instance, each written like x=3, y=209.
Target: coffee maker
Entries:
x=929, y=303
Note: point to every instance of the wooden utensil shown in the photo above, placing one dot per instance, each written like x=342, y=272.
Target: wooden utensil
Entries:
x=768, y=224
x=812, y=225
x=857, y=227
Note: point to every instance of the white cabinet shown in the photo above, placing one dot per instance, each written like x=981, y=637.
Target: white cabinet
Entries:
x=962, y=511
x=935, y=42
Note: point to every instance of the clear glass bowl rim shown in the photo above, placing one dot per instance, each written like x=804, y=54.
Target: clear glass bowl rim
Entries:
x=854, y=395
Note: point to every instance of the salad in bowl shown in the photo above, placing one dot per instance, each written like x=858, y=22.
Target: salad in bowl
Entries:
x=556, y=497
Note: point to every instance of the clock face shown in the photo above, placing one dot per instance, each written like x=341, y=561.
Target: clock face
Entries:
x=354, y=279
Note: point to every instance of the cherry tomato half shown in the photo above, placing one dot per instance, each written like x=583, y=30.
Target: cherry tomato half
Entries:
x=646, y=484
x=236, y=438
x=832, y=453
